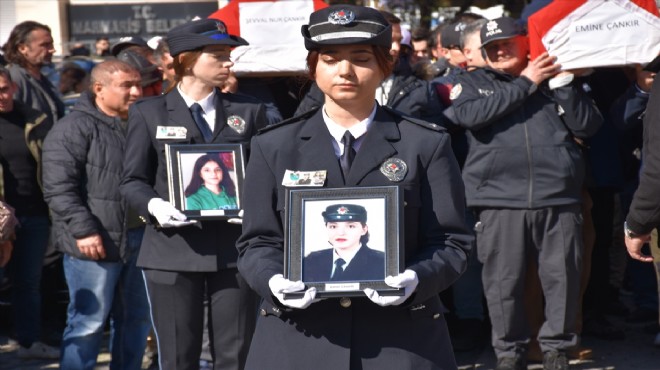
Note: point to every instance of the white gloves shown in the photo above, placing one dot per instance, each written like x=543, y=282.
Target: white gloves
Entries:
x=166, y=214
x=279, y=285
x=407, y=280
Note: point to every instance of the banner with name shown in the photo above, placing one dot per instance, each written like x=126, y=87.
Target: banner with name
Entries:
x=273, y=30
x=596, y=33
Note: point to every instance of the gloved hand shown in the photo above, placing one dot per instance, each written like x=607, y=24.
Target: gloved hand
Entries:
x=279, y=285
x=237, y=220
x=407, y=280
x=166, y=214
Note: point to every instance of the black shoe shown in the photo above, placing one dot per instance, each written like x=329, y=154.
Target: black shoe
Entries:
x=467, y=335
x=511, y=363
x=554, y=360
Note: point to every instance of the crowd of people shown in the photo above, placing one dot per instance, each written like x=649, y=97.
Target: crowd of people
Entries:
x=516, y=178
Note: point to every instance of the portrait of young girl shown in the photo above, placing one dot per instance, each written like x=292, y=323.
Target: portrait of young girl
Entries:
x=211, y=186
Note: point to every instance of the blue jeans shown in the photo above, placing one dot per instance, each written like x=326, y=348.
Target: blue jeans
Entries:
x=26, y=263
x=98, y=290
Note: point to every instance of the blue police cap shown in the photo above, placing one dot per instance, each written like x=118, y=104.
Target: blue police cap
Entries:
x=500, y=29
x=345, y=213
x=200, y=33
x=346, y=24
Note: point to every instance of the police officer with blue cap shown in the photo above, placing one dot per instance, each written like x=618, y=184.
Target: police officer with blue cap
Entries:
x=187, y=261
x=354, y=142
x=349, y=258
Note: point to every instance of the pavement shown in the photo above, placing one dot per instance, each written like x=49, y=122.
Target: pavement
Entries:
x=635, y=352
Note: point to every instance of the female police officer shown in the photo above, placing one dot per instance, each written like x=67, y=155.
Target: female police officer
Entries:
x=184, y=262
x=348, y=57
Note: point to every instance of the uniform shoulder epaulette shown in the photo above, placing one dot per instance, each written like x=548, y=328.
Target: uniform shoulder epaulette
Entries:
x=298, y=118
x=417, y=121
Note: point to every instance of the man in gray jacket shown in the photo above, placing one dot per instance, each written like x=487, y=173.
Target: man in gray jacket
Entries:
x=82, y=160
x=523, y=178
x=28, y=49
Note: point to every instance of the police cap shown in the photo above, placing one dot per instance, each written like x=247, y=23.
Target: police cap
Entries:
x=450, y=37
x=500, y=29
x=127, y=41
x=149, y=72
x=345, y=213
x=199, y=33
x=347, y=24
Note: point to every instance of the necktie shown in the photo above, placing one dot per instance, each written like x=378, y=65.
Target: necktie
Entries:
x=346, y=159
x=197, y=111
x=339, y=269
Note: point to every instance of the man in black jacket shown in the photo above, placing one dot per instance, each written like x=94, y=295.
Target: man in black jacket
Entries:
x=82, y=170
x=523, y=177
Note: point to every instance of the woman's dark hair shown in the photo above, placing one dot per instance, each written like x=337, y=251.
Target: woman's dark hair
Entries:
x=20, y=35
x=183, y=64
x=382, y=54
x=72, y=79
x=197, y=182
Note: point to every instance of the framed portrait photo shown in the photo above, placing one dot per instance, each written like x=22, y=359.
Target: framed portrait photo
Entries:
x=344, y=240
x=205, y=180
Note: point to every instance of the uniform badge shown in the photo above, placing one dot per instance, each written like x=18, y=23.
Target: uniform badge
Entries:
x=236, y=123
x=171, y=132
x=341, y=17
x=304, y=178
x=394, y=169
x=455, y=91
x=221, y=27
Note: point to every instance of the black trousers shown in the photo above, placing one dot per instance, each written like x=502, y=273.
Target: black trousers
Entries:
x=506, y=239
x=177, y=310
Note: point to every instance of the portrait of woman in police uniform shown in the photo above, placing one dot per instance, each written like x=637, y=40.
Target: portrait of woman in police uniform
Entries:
x=189, y=262
x=358, y=143
x=349, y=258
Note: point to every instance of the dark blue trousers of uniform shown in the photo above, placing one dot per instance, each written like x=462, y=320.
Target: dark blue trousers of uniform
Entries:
x=177, y=309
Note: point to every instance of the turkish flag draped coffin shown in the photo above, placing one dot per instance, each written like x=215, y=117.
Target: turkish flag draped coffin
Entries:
x=273, y=30
x=596, y=33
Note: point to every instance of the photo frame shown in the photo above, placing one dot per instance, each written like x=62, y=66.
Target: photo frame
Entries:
x=195, y=187
x=364, y=224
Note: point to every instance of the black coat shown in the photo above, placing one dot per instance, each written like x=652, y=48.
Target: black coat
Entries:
x=521, y=151
x=207, y=245
x=82, y=165
x=437, y=242
x=644, y=214
x=367, y=264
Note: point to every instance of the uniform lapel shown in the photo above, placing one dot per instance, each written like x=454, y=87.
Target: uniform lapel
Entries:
x=318, y=149
x=221, y=109
x=375, y=148
x=179, y=115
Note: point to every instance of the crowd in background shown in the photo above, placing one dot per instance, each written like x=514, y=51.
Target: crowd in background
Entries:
x=434, y=75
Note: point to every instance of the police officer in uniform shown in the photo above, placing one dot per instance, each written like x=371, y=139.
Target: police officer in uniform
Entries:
x=349, y=259
x=185, y=261
x=358, y=143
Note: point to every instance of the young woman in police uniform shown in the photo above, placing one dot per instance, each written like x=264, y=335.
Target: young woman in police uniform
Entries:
x=348, y=57
x=184, y=262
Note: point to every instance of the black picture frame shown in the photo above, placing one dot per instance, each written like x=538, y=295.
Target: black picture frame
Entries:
x=303, y=249
x=190, y=196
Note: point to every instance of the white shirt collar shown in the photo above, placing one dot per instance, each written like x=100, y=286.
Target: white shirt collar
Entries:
x=347, y=258
x=206, y=103
x=357, y=130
